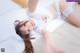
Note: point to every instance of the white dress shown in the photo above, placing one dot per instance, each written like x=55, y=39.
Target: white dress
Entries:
x=44, y=8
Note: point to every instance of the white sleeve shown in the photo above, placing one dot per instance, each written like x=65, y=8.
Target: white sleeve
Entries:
x=69, y=9
x=38, y=29
x=30, y=14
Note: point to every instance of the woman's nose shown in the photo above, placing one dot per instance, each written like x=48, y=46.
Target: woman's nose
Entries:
x=30, y=29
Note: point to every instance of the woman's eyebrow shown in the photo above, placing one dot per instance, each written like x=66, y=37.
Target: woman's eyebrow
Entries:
x=23, y=23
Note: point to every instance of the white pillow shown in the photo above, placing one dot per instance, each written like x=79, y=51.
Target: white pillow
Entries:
x=7, y=23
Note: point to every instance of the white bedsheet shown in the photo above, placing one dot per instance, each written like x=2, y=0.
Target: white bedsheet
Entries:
x=7, y=6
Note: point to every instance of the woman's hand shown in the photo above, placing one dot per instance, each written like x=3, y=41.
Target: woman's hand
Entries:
x=50, y=47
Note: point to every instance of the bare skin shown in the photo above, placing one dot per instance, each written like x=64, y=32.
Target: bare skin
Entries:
x=72, y=17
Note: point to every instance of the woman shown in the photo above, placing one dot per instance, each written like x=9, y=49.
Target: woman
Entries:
x=25, y=37
x=54, y=9
x=58, y=8
x=24, y=29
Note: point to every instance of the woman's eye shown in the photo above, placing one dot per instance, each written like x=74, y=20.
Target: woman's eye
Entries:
x=24, y=24
x=28, y=30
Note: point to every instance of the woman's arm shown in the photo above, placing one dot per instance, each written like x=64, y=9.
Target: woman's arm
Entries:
x=46, y=34
x=72, y=16
x=50, y=46
x=32, y=4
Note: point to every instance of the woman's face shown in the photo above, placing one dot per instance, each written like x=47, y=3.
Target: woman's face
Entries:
x=27, y=27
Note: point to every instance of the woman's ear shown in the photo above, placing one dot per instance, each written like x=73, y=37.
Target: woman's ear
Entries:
x=22, y=3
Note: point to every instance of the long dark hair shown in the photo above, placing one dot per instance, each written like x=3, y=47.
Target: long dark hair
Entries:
x=26, y=38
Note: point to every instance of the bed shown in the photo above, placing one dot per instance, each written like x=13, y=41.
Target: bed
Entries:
x=12, y=43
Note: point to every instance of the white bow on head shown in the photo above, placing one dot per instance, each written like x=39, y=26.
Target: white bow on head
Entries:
x=16, y=22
